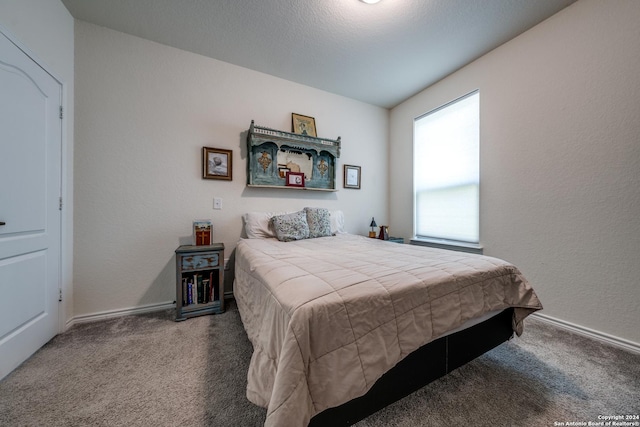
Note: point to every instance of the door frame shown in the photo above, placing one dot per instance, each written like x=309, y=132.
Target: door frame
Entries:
x=65, y=250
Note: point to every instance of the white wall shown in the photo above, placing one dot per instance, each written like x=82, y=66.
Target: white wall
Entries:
x=45, y=29
x=560, y=160
x=144, y=112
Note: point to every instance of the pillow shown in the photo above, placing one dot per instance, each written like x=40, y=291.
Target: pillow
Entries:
x=257, y=225
x=291, y=226
x=337, y=222
x=319, y=222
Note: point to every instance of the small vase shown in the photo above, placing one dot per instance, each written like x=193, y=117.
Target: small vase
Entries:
x=384, y=233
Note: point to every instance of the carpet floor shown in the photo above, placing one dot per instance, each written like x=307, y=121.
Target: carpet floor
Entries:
x=147, y=370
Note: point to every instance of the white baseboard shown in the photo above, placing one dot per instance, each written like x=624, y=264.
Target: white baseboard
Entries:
x=581, y=330
x=85, y=318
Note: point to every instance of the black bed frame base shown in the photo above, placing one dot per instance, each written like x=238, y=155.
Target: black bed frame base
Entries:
x=421, y=367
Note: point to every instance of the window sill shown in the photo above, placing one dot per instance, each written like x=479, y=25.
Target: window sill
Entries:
x=451, y=245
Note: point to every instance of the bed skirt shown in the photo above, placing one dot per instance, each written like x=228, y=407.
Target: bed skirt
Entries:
x=426, y=364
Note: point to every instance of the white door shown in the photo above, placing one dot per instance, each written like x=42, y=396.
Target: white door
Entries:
x=30, y=188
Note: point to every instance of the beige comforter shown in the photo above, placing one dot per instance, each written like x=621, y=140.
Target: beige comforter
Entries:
x=328, y=316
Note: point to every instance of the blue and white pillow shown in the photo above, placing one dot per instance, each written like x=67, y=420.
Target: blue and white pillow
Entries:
x=291, y=226
x=319, y=221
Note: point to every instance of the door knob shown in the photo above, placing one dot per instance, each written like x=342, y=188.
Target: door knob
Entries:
x=2, y=223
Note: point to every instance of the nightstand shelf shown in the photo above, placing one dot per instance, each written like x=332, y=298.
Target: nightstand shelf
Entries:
x=199, y=280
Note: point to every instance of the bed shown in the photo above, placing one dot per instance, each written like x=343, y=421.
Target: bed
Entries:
x=343, y=324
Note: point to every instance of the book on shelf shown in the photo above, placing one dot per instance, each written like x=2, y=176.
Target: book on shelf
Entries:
x=211, y=287
x=198, y=281
x=189, y=292
x=202, y=232
x=185, y=291
x=194, y=287
x=205, y=290
x=200, y=288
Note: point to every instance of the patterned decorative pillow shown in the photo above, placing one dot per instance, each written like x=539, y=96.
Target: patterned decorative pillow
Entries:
x=319, y=221
x=291, y=226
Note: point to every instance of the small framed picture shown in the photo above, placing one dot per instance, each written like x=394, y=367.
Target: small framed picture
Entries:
x=282, y=172
x=217, y=163
x=295, y=179
x=304, y=125
x=202, y=231
x=352, y=176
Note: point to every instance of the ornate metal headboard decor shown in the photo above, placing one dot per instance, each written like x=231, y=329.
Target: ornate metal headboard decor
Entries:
x=274, y=153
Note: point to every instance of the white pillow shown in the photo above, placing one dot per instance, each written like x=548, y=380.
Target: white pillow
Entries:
x=257, y=225
x=337, y=222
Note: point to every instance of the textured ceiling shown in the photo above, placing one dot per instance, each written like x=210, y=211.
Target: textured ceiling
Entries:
x=380, y=54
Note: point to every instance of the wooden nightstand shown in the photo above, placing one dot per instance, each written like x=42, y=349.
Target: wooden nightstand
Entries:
x=199, y=280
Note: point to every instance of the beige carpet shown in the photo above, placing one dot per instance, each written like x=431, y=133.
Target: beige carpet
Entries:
x=148, y=370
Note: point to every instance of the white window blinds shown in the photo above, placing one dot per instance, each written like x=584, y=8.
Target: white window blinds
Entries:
x=447, y=171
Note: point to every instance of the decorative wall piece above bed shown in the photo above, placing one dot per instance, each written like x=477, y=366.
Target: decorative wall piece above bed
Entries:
x=274, y=153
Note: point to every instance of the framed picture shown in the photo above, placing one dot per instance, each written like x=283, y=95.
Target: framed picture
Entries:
x=351, y=176
x=295, y=179
x=217, y=163
x=304, y=125
x=282, y=172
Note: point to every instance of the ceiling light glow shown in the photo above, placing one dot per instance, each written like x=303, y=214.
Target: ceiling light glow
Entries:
x=370, y=1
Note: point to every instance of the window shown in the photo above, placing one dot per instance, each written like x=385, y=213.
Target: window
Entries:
x=447, y=171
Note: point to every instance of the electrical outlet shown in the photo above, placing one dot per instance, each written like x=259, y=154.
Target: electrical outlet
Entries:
x=217, y=203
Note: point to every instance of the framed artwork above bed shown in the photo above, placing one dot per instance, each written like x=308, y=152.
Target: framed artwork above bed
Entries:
x=303, y=125
x=275, y=155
